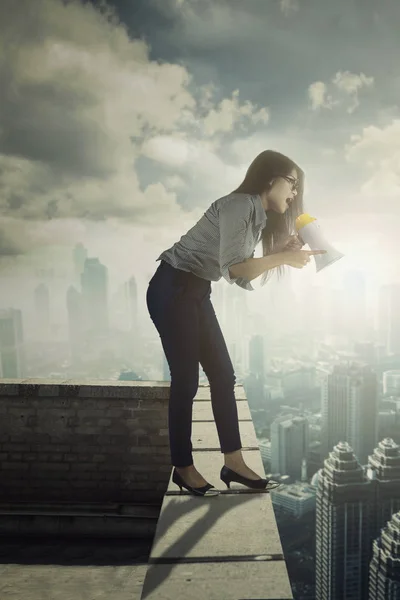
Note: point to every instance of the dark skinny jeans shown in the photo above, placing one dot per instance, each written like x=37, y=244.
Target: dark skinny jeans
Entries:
x=179, y=305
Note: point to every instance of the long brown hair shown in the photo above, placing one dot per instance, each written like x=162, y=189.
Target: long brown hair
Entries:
x=267, y=165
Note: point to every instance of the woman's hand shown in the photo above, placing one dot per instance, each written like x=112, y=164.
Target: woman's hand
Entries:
x=299, y=258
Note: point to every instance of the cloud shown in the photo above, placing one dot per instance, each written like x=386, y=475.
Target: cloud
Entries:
x=77, y=92
x=81, y=103
x=345, y=91
x=225, y=116
x=317, y=93
x=210, y=25
x=170, y=150
x=207, y=124
x=289, y=7
x=174, y=182
x=376, y=151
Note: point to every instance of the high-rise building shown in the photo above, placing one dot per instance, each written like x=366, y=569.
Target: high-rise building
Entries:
x=350, y=409
x=94, y=281
x=165, y=368
x=256, y=357
x=391, y=382
x=12, y=351
x=384, y=576
x=389, y=317
x=289, y=445
x=384, y=470
x=75, y=322
x=131, y=300
x=344, y=517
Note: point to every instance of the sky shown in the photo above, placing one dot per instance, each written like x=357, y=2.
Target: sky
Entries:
x=121, y=122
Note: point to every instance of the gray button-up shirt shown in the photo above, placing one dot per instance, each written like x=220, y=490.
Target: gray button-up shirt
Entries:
x=226, y=234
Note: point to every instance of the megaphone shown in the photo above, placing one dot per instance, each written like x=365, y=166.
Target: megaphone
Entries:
x=309, y=232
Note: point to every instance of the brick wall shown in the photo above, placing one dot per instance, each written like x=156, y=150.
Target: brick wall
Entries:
x=102, y=441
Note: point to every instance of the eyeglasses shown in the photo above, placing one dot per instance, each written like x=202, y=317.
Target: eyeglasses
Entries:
x=293, y=182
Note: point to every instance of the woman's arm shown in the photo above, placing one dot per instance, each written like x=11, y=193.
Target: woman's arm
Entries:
x=253, y=267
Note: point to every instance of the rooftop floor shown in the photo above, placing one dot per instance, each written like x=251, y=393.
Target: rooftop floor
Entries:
x=219, y=548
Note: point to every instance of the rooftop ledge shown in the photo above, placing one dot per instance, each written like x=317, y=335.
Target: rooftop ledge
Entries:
x=74, y=442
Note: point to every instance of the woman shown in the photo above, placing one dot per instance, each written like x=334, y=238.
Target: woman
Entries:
x=221, y=244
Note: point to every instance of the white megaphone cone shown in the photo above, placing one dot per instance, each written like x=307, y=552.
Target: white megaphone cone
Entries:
x=310, y=233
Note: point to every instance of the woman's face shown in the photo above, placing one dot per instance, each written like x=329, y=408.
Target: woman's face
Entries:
x=282, y=192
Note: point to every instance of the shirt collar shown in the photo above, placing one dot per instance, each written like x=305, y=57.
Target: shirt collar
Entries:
x=261, y=216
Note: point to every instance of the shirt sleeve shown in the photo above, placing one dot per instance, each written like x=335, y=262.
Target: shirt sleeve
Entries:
x=236, y=237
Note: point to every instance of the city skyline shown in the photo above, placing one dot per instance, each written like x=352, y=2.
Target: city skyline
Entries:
x=120, y=123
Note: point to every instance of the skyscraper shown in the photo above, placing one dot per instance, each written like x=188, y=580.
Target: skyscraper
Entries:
x=131, y=301
x=289, y=445
x=12, y=351
x=391, y=382
x=350, y=409
x=256, y=357
x=75, y=322
x=384, y=581
x=94, y=280
x=344, y=518
x=389, y=317
x=384, y=470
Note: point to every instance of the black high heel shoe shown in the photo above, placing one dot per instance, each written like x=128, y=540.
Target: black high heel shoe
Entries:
x=205, y=490
x=227, y=476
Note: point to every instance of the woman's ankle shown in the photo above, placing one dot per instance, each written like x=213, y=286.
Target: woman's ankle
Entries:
x=187, y=469
x=233, y=458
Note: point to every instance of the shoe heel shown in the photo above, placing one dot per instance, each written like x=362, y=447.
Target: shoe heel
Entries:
x=176, y=479
x=227, y=482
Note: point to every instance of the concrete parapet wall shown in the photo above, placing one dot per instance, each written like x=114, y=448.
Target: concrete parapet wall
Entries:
x=78, y=441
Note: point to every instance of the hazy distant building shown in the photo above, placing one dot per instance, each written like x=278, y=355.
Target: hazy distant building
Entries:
x=389, y=423
x=265, y=450
x=42, y=311
x=255, y=392
x=389, y=317
x=12, y=352
x=75, y=322
x=391, y=382
x=384, y=577
x=165, y=368
x=94, y=281
x=344, y=519
x=314, y=461
x=131, y=300
x=289, y=445
x=79, y=255
x=298, y=379
x=349, y=399
x=256, y=357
